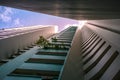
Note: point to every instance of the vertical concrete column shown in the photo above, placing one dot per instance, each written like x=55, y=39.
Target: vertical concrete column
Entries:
x=72, y=69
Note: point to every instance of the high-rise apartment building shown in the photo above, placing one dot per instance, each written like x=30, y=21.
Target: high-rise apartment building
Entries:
x=72, y=56
x=89, y=53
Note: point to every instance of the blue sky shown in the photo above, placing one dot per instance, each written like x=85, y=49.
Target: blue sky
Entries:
x=11, y=17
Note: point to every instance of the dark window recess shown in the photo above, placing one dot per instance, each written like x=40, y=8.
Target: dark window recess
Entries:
x=98, y=59
x=117, y=76
x=105, y=67
x=94, y=53
x=89, y=41
x=88, y=46
x=83, y=43
x=92, y=48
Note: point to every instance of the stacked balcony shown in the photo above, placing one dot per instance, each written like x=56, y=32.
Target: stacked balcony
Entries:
x=39, y=63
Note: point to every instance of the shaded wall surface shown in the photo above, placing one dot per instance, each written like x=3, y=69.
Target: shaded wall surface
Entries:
x=100, y=56
x=95, y=53
x=73, y=65
x=10, y=45
x=109, y=29
x=100, y=49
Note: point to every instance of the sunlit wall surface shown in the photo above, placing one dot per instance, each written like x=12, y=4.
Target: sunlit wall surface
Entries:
x=11, y=17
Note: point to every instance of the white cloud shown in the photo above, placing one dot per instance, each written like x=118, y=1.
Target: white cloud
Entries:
x=8, y=11
x=6, y=15
x=5, y=18
x=17, y=22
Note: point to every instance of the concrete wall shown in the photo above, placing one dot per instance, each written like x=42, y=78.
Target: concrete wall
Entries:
x=100, y=58
x=85, y=35
x=73, y=65
x=100, y=53
x=97, y=58
x=9, y=46
x=109, y=29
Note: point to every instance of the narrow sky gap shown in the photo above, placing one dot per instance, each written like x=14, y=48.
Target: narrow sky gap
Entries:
x=11, y=17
